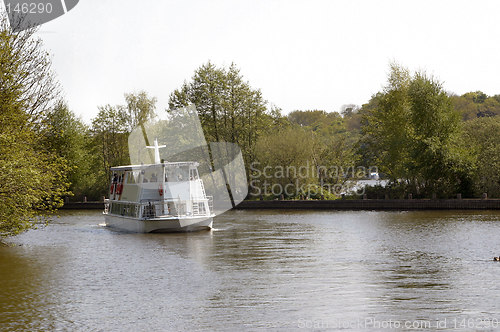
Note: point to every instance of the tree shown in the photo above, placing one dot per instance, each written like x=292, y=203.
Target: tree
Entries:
x=140, y=108
x=477, y=97
x=335, y=157
x=413, y=133
x=69, y=137
x=333, y=149
x=110, y=140
x=466, y=107
x=285, y=161
x=482, y=135
x=307, y=118
x=229, y=108
x=109, y=133
x=304, y=160
x=476, y=105
x=32, y=178
x=27, y=71
x=438, y=161
x=387, y=126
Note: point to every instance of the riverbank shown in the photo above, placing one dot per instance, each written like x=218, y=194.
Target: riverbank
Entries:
x=377, y=204
x=355, y=204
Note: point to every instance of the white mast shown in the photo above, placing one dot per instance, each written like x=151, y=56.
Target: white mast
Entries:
x=157, y=150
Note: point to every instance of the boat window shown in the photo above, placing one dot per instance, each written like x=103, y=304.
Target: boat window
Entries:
x=154, y=178
x=170, y=174
x=151, y=175
x=193, y=174
x=177, y=174
x=120, y=177
x=132, y=177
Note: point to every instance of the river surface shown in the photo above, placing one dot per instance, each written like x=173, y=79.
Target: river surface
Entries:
x=277, y=270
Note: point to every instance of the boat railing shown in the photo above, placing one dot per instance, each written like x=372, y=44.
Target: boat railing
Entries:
x=172, y=208
x=211, y=203
x=165, y=208
x=106, y=206
x=128, y=209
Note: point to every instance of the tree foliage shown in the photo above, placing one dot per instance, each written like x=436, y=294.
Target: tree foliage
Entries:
x=472, y=105
x=27, y=72
x=110, y=130
x=482, y=135
x=414, y=132
x=229, y=108
x=70, y=138
x=32, y=177
x=281, y=153
x=314, y=150
x=387, y=127
x=420, y=137
x=139, y=108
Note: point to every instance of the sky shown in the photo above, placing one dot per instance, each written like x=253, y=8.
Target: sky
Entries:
x=301, y=54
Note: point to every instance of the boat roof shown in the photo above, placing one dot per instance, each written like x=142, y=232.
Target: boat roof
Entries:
x=144, y=166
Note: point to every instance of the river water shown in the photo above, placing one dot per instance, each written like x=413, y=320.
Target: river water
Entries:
x=278, y=270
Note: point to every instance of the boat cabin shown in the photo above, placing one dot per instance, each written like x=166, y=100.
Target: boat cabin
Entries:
x=158, y=190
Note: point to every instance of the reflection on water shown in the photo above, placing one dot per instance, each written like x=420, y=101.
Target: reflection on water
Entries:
x=257, y=269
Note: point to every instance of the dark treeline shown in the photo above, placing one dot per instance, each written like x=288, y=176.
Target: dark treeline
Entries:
x=424, y=140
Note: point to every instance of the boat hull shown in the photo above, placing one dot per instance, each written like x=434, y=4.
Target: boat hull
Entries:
x=158, y=225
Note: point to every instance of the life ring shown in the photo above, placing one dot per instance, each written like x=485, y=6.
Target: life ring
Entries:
x=112, y=189
x=160, y=190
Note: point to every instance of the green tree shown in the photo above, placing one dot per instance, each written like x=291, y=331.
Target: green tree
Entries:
x=304, y=161
x=229, y=108
x=70, y=138
x=308, y=118
x=109, y=133
x=465, y=106
x=140, y=108
x=285, y=160
x=333, y=150
x=476, y=105
x=387, y=126
x=352, y=118
x=336, y=158
x=110, y=141
x=497, y=98
x=32, y=178
x=439, y=163
x=482, y=135
x=477, y=97
x=413, y=133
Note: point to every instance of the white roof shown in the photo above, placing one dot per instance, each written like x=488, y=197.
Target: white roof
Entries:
x=138, y=167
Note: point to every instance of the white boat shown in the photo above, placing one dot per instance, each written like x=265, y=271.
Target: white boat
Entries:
x=159, y=197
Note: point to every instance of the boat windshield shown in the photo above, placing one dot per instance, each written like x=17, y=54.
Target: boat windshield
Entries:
x=151, y=174
x=177, y=174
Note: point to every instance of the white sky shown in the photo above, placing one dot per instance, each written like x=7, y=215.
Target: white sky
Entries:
x=301, y=54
